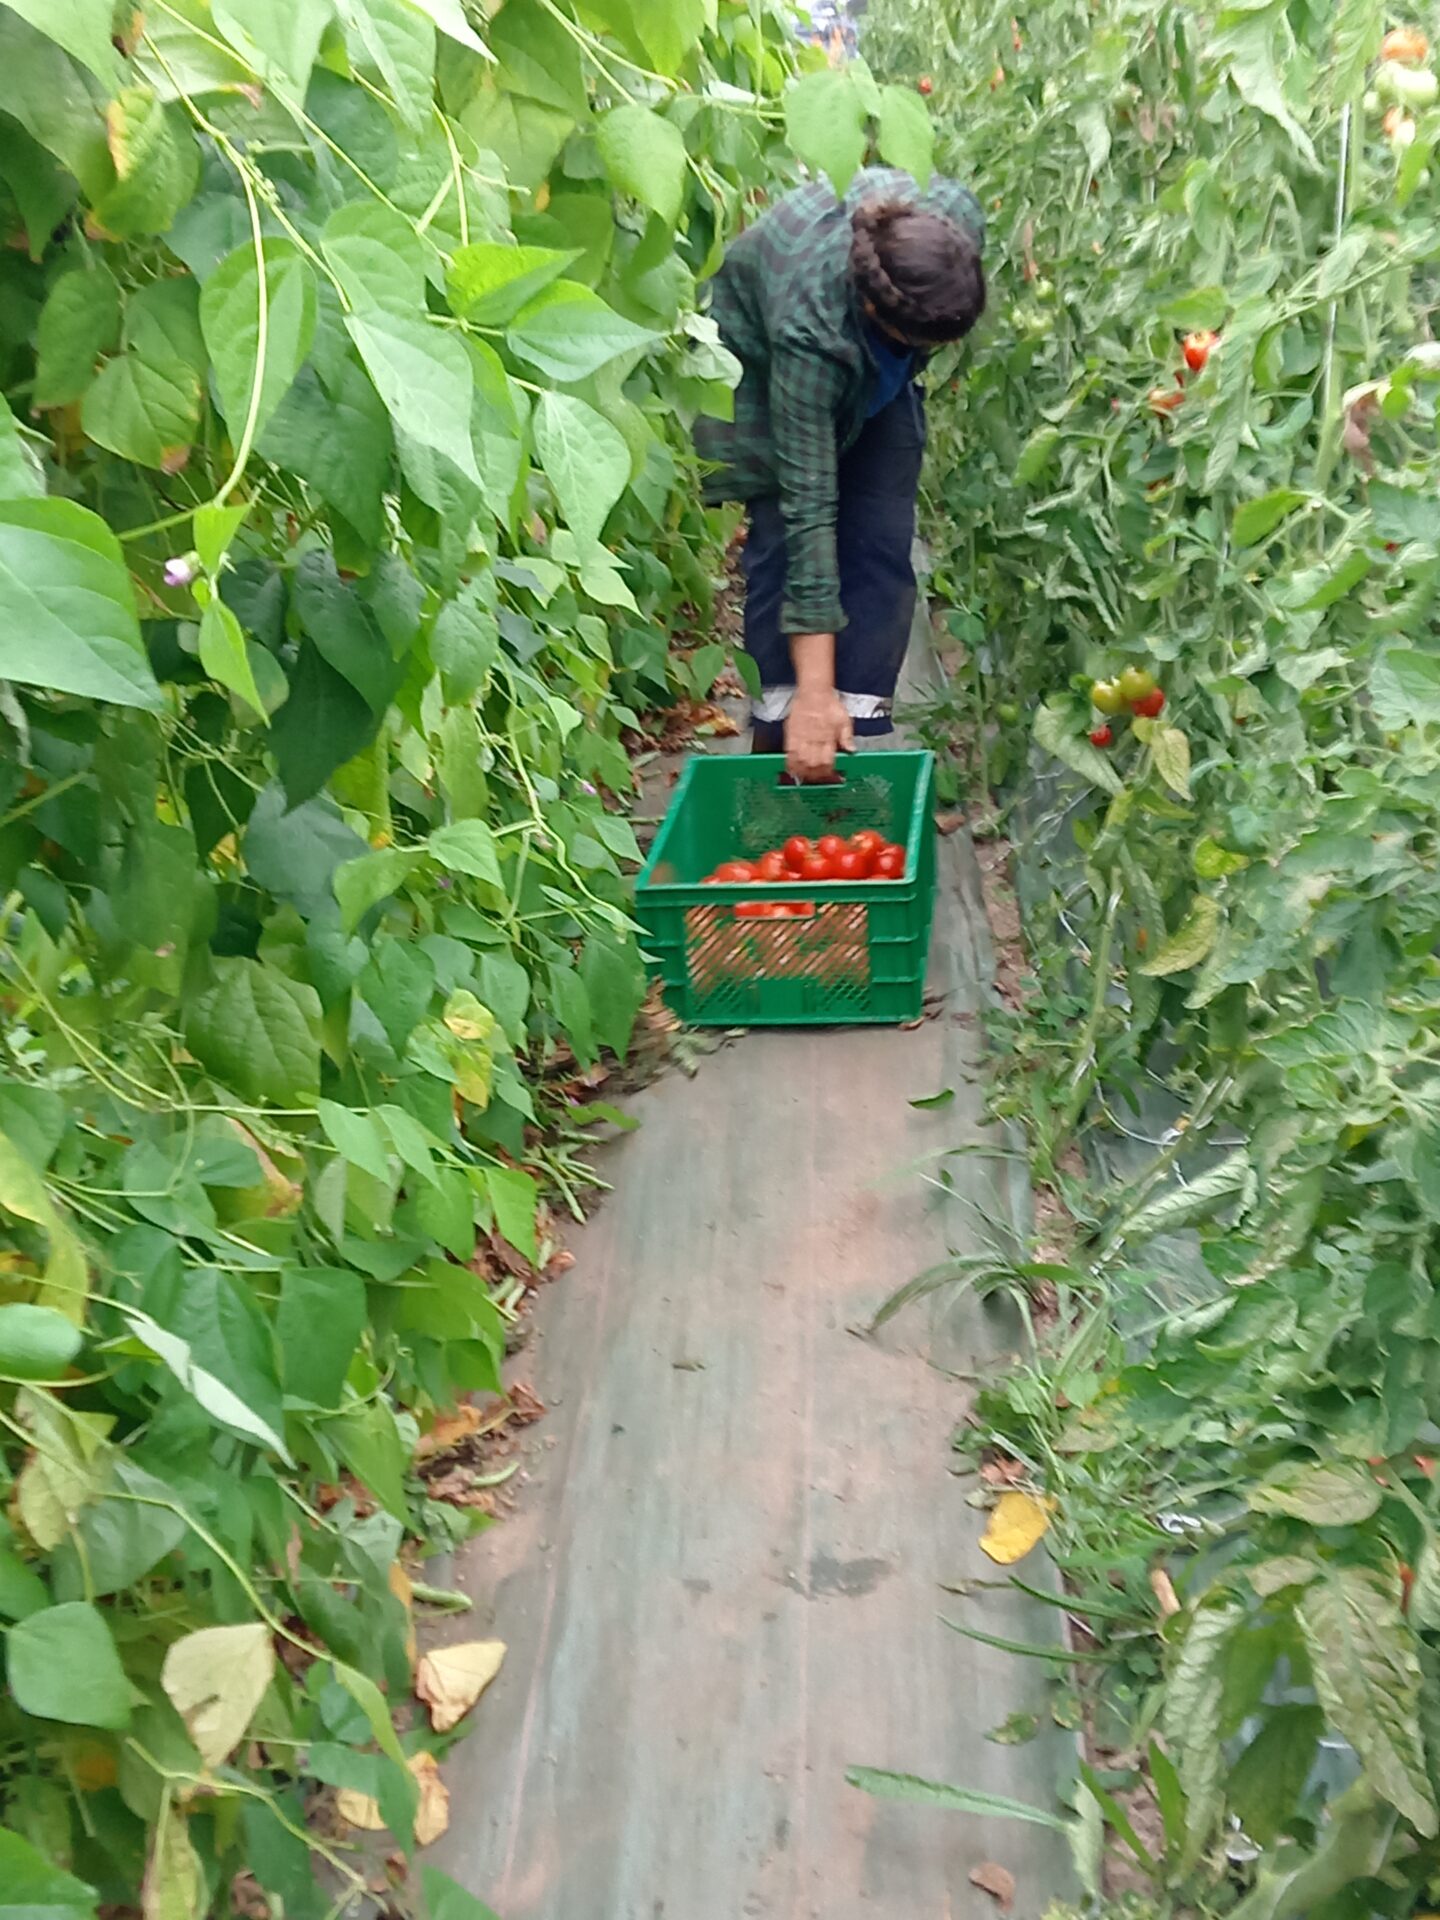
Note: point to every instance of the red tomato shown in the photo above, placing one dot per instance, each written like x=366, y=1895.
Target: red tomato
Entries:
x=817, y=867
x=753, y=910
x=830, y=846
x=890, y=864
x=852, y=864
x=1198, y=348
x=867, y=841
x=735, y=873
x=926, y=85
x=1150, y=706
x=771, y=868
x=1102, y=737
x=797, y=852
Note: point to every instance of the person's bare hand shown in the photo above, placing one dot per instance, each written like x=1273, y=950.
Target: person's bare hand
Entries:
x=817, y=728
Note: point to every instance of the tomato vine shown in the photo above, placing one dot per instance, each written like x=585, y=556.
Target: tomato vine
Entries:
x=346, y=512
x=1231, y=912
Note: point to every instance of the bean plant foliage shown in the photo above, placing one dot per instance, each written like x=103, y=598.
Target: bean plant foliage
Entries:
x=349, y=348
x=1232, y=911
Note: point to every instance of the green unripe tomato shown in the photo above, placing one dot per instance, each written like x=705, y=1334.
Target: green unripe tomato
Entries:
x=1135, y=683
x=1409, y=87
x=1106, y=696
x=1007, y=713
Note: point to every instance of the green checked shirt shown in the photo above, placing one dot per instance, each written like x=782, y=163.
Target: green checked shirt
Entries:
x=786, y=307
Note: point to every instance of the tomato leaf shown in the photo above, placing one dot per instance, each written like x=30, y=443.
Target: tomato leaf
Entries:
x=1171, y=751
x=1193, y=1713
x=1405, y=688
x=1268, y=1779
x=1367, y=1677
x=1256, y=520
x=1325, y=1495
x=1057, y=731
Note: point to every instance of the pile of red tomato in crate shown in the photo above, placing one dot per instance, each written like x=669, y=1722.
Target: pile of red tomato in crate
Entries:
x=864, y=856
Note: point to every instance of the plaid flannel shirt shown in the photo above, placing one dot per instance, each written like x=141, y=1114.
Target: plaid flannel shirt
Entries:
x=785, y=306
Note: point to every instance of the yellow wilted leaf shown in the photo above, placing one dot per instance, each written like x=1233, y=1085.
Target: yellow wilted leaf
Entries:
x=1018, y=1524
x=216, y=1679
x=359, y=1810
x=451, y=1679
x=432, y=1816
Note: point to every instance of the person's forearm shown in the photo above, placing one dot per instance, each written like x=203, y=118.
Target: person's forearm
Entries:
x=813, y=657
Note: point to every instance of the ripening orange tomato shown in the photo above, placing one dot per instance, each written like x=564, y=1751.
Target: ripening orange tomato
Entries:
x=1407, y=45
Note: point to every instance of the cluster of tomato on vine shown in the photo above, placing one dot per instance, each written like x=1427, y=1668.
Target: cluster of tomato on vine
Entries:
x=1135, y=691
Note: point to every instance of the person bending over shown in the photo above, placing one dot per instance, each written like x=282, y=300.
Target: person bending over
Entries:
x=833, y=308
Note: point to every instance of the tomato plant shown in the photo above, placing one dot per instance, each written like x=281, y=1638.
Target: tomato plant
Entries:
x=1232, y=931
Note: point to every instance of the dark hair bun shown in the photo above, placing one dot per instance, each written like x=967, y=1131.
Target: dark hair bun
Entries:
x=920, y=272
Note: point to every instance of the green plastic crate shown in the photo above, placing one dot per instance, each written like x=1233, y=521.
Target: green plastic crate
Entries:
x=860, y=957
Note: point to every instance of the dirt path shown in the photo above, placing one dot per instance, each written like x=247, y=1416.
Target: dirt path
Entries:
x=724, y=1583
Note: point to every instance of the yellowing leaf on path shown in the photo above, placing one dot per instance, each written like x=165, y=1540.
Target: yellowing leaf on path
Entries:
x=359, y=1810
x=216, y=1678
x=432, y=1816
x=451, y=1679
x=1018, y=1524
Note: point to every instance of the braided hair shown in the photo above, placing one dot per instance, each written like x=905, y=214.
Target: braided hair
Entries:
x=916, y=272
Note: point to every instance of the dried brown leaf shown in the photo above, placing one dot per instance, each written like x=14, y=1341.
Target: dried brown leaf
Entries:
x=997, y=1881
x=1163, y=1588
x=451, y=1679
x=448, y=1432
x=432, y=1816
